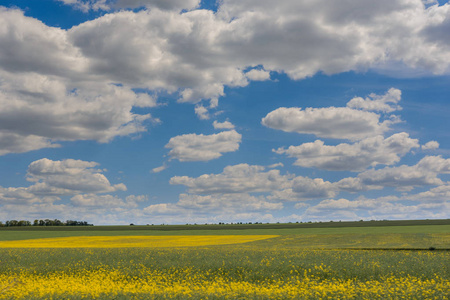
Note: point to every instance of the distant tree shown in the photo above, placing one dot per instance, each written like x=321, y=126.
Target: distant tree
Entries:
x=12, y=223
x=23, y=223
x=36, y=223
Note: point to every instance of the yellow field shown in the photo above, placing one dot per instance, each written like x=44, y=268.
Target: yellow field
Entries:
x=133, y=241
x=186, y=283
x=194, y=267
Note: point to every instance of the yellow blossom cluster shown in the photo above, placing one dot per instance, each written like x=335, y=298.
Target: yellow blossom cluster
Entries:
x=187, y=283
x=262, y=269
x=133, y=241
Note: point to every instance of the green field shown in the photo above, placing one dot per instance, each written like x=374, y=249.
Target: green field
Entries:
x=300, y=263
x=298, y=235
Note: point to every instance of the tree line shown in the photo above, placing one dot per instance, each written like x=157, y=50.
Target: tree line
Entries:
x=46, y=222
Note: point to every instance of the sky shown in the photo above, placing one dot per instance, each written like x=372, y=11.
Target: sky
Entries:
x=189, y=111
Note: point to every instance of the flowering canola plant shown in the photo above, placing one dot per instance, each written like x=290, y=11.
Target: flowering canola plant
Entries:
x=133, y=241
x=257, y=270
x=186, y=282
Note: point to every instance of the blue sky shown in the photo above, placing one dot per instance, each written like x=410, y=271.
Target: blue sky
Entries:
x=181, y=111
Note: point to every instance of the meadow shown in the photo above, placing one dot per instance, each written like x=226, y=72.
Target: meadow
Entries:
x=387, y=262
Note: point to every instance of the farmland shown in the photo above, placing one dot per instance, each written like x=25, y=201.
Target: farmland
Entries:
x=378, y=262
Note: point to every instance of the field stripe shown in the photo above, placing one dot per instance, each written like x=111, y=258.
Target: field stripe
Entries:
x=134, y=241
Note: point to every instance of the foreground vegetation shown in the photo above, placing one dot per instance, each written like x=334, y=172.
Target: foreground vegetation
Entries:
x=293, y=265
x=225, y=272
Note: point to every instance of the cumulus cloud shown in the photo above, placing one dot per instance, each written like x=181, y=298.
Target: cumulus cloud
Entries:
x=304, y=188
x=362, y=34
x=244, y=179
x=217, y=204
x=431, y=145
x=86, y=185
x=50, y=74
x=159, y=169
x=15, y=143
x=201, y=112
x=68, y=177
x=106, y=201
x=330, y=122
x=353, y=157
x=93, y=200
x=87, y=5
x=403, y=178
x=258, y=75
x=46, y=96
x=377, y=209
x=436, y=194
x=176, y=5
x=53, y=179
x=435, y=164
x=223, y=125
x=199, y=147
x=354, y=122
x=386, y=103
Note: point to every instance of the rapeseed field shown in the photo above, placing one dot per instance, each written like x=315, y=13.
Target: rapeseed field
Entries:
x=254, y=270
x=133, y=241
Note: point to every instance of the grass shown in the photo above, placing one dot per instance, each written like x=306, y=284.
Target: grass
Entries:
x=423, y=237
x=245, y=271
x=222, y=227
x=300, y=263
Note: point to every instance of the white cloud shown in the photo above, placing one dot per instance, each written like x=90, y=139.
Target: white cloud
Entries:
x=223, y=125
x=46, y=96
x=435, y=164
x=45, y=111
x=439, y=194
x=377, y=209
x=331, y=122
x=304, y=188
x=49, y=74
x=53, y=179
x=217, y=204
x=301, y=205
x=92, y=200
x=176, y=5
x=431, y=145
x=159, y=169
x=106, y=201
x=15, y=143
x=273, y=166
x=241, y=178
x=353, y=157
x=351, y=35
x=258, y=75
x=201, y=112
x=80, y=180
x=68, y=177
x=194, y=147
x=338, y=122
x=244, y=179
x=403, y=178
x=28, y=45
x=86, y=5
x=23, y=195
x=386, y=103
